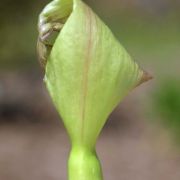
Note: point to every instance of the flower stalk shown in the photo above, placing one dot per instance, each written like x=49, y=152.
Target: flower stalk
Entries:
x=84, y=164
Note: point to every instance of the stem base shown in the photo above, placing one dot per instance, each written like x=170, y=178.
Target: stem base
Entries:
x=84, y=165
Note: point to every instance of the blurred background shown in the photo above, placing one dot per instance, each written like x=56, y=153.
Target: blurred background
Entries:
x=141, y=140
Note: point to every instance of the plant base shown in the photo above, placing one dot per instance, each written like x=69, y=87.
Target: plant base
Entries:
x=84, y=165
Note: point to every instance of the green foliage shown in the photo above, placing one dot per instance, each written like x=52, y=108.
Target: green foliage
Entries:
x=167, y=104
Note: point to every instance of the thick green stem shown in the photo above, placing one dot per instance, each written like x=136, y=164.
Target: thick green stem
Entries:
x=84, y=164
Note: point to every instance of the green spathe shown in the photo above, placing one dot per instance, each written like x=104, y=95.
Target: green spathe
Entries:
x=88, y=72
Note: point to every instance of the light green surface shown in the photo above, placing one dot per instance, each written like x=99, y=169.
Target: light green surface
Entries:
x=87, y=74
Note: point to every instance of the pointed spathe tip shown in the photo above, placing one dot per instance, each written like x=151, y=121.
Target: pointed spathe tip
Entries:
x=145, y=77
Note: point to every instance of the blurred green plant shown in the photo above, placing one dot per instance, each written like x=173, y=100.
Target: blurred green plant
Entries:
x=167, y=106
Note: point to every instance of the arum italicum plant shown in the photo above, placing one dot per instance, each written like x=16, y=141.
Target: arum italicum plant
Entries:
x=87, y=73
